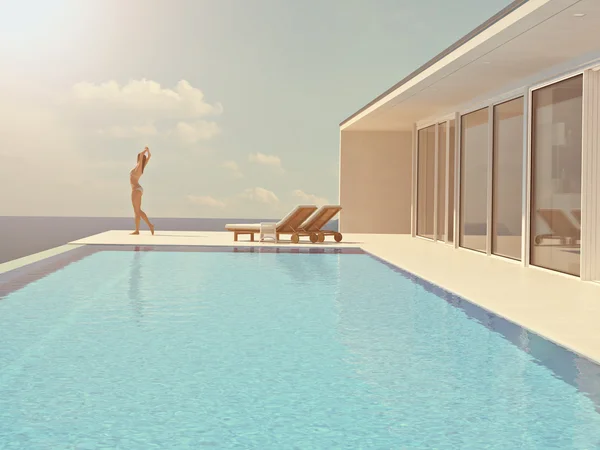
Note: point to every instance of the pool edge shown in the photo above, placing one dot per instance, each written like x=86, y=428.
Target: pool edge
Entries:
x=36, y=257
x=474, y=304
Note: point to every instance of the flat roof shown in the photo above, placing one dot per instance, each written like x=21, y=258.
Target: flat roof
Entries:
x=484, y=26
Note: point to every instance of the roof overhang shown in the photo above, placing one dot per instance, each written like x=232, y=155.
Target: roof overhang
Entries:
x=522, y=41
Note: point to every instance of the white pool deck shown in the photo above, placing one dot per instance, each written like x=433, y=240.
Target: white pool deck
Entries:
x=560, y=308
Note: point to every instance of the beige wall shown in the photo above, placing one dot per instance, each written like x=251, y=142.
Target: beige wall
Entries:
x=375, y=181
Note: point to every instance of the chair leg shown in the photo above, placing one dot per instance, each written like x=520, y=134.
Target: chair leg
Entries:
x=235, y=236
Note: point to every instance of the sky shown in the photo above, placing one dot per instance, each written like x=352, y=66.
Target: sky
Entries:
x=239, y=100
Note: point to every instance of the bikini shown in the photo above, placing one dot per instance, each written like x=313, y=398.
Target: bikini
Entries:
x=137, y=187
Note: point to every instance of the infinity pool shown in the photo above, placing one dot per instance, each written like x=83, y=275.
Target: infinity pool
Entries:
x=264, y=350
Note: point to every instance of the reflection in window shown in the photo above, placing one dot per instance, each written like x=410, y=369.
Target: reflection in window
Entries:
x=425, y=181
x=451, y=159
x=508, y=179
x=556, y=176
x=441, y=194
x=473, y=180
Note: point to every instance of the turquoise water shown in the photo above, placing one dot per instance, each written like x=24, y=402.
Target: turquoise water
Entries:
x=170, y=350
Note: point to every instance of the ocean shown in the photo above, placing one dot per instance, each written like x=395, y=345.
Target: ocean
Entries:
x=22, y=236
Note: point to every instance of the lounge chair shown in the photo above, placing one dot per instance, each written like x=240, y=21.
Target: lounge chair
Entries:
x=318, y=220
x=577, y=214
x=562, y=228
x=290, y=224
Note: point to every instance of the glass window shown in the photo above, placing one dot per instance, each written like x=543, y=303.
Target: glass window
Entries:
x=441, y=194
x=507, y=179
x=451, y=159
x=473, y=180
x=556, y=175
x=425, y=181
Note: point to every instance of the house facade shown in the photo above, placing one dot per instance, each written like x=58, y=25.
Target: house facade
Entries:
x=491, y=147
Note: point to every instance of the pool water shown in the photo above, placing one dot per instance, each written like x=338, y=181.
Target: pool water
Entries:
x=175, y=350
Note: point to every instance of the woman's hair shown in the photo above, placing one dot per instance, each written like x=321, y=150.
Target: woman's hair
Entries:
x=144, y=159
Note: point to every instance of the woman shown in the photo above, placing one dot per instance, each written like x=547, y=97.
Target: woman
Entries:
x=137, y=190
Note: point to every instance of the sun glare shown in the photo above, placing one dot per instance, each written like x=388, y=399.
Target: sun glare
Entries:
x=37, y=26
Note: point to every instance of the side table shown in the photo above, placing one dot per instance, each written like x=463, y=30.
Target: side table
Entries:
x=268, y=230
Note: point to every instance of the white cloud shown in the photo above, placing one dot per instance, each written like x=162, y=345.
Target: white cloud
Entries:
x=147, y=97
x=206, y=200
x=191, y=133
x=187, y=132
x=260, y=195
x=310, y=198
x=143, y=108
x=233, y=167
x=266, y=160
x=121, y=132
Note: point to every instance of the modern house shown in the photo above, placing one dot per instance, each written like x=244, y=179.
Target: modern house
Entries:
x=493, y=146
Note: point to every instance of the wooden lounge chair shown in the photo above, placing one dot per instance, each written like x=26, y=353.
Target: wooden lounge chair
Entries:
x=318, y=220
x=290, y=224
x=577, y=214
x=562, y=228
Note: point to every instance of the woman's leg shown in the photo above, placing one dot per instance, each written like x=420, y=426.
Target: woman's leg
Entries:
x=136, y=201
x=145, y=217
x=136, y=197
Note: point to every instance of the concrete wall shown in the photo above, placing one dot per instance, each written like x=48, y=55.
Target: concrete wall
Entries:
x=375, y=181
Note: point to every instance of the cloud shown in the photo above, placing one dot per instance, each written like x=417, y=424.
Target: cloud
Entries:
x=121, y=132
x=143, y=108
x=206, y=200
x=233, y=167
x=260, y=195
x=187, y=133
x=266, y=160
x=310, y=198
x=191, y=133
x=147, y=97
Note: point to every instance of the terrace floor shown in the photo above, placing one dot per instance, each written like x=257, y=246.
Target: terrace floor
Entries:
x=560, y=308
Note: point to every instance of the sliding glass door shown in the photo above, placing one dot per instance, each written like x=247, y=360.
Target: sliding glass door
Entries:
x=426, y=182
x=435, y=182
x=556, y=157
x=474, y=180
x=451, y=177
x=441, y=181
x=507, y=179
x=563, y=178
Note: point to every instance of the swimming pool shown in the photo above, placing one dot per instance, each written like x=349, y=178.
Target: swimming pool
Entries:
x=105, y=347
